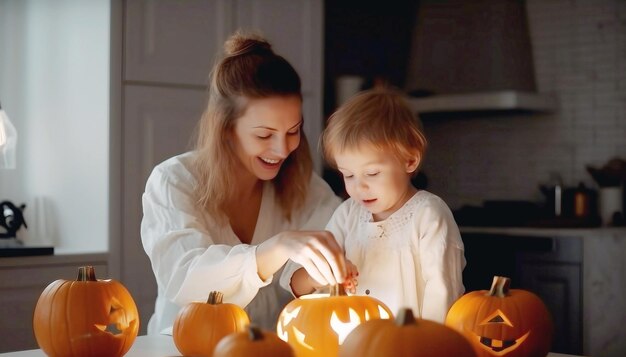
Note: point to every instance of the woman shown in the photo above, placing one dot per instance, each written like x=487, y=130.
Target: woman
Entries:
x=228, y=215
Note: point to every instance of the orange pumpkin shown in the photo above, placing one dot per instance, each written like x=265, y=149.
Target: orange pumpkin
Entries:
x=503, y=321
x=316, y=324
x=252, y=342
x=406, y=337
x=85, y=317
x=198, y=327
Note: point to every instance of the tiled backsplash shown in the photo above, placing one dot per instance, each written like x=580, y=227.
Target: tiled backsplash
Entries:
x=579, y=49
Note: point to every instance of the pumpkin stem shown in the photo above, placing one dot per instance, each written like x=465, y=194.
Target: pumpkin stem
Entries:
x=338, y=290
x=215, y=297
x=405, y=317
x=254, y=333
x=86, y=273
x=500, y=286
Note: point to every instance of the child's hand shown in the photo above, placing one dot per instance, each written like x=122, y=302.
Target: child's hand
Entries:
x=351, y=281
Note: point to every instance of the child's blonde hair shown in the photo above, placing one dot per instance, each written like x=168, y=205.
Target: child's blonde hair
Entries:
x=378, y=117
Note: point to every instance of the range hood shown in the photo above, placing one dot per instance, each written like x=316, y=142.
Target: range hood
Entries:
x=473, y=56
x=501, y=101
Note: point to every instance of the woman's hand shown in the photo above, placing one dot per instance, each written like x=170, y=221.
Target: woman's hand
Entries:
x=318, y=253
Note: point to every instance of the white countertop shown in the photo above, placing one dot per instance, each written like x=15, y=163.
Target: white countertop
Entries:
x=152, y=346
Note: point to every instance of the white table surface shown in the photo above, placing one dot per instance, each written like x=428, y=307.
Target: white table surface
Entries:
x=153, y=346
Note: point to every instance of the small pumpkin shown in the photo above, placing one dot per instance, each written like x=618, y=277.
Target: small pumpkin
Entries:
x=85, y=317
x=316, y=324
x=503, y=321
x=406, y=337
x=253, y=342
x=198, y=326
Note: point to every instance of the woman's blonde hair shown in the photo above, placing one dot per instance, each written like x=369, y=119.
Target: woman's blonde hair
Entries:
x=380, y=117
x=249, y=69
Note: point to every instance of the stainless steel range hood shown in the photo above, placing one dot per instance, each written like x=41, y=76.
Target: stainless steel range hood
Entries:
x=473, y=56
x=504, y=100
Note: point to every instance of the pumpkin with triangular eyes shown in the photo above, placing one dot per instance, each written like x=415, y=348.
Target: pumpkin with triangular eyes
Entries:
x=503, y=321
x=317, y=324
x=85, y=317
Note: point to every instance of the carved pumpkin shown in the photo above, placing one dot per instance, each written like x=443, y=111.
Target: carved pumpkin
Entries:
x=198, y=327
x=252, y=342
x=316, y=324
x=85, y=317
x=406, y=337
x=503, y=321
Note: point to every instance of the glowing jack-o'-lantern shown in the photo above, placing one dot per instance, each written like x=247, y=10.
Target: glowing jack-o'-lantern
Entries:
x=199, y=326
x=503, y=321
x=406, y=336
x=316, y=324
x=85, y=317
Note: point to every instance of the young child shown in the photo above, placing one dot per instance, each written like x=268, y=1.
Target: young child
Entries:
x=403, y=242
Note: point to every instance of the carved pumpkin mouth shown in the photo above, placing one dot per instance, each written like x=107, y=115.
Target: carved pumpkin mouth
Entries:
x=500, y=347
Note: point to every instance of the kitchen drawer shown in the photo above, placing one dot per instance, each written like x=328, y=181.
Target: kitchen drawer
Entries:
x=22, y=280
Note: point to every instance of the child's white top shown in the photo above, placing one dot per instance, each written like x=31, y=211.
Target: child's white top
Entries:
x=413, y=259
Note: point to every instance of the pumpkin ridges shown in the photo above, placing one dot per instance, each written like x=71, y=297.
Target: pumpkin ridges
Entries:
x=199, y=326
x=253, y=342
x=525, y=317
x=71, y=309
x=68, y=326
x=51, y=295
x=392, y=338
x=314, y=316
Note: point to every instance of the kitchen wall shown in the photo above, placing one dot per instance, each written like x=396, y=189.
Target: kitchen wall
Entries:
x=579, y=50
x=54, y=85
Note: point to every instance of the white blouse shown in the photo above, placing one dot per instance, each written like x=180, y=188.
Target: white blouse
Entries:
x=191, y=255
x=413, y=259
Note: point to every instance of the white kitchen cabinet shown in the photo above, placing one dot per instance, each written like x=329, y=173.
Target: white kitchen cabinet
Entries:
x=23, y=280
x=167, y=49
x=158, y=124
x=174, y=42
x=177, y=42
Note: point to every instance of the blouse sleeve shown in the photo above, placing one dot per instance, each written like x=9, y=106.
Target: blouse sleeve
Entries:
x=186, y=261
x=320, y=205
x=442, y=260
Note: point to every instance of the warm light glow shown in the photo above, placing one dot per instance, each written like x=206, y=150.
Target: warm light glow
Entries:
x=342, y=329
x=383, y=313
x=300, y=338
x=290, y=315
x=313, y=296
x=317, y=324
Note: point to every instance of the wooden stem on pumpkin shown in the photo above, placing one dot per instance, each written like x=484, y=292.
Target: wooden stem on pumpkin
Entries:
x=338, y=290
x=500, y=286
x=215, y=297
x=405, y=317
x=254, y=333
x=86, y=273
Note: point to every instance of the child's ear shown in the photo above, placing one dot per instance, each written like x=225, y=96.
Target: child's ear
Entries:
x=413, y=163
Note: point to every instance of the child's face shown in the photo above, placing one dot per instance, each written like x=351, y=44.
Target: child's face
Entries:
x=377, y=179
x=267, y=133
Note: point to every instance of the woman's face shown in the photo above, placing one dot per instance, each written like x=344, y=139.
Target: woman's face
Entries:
x=267, y=133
